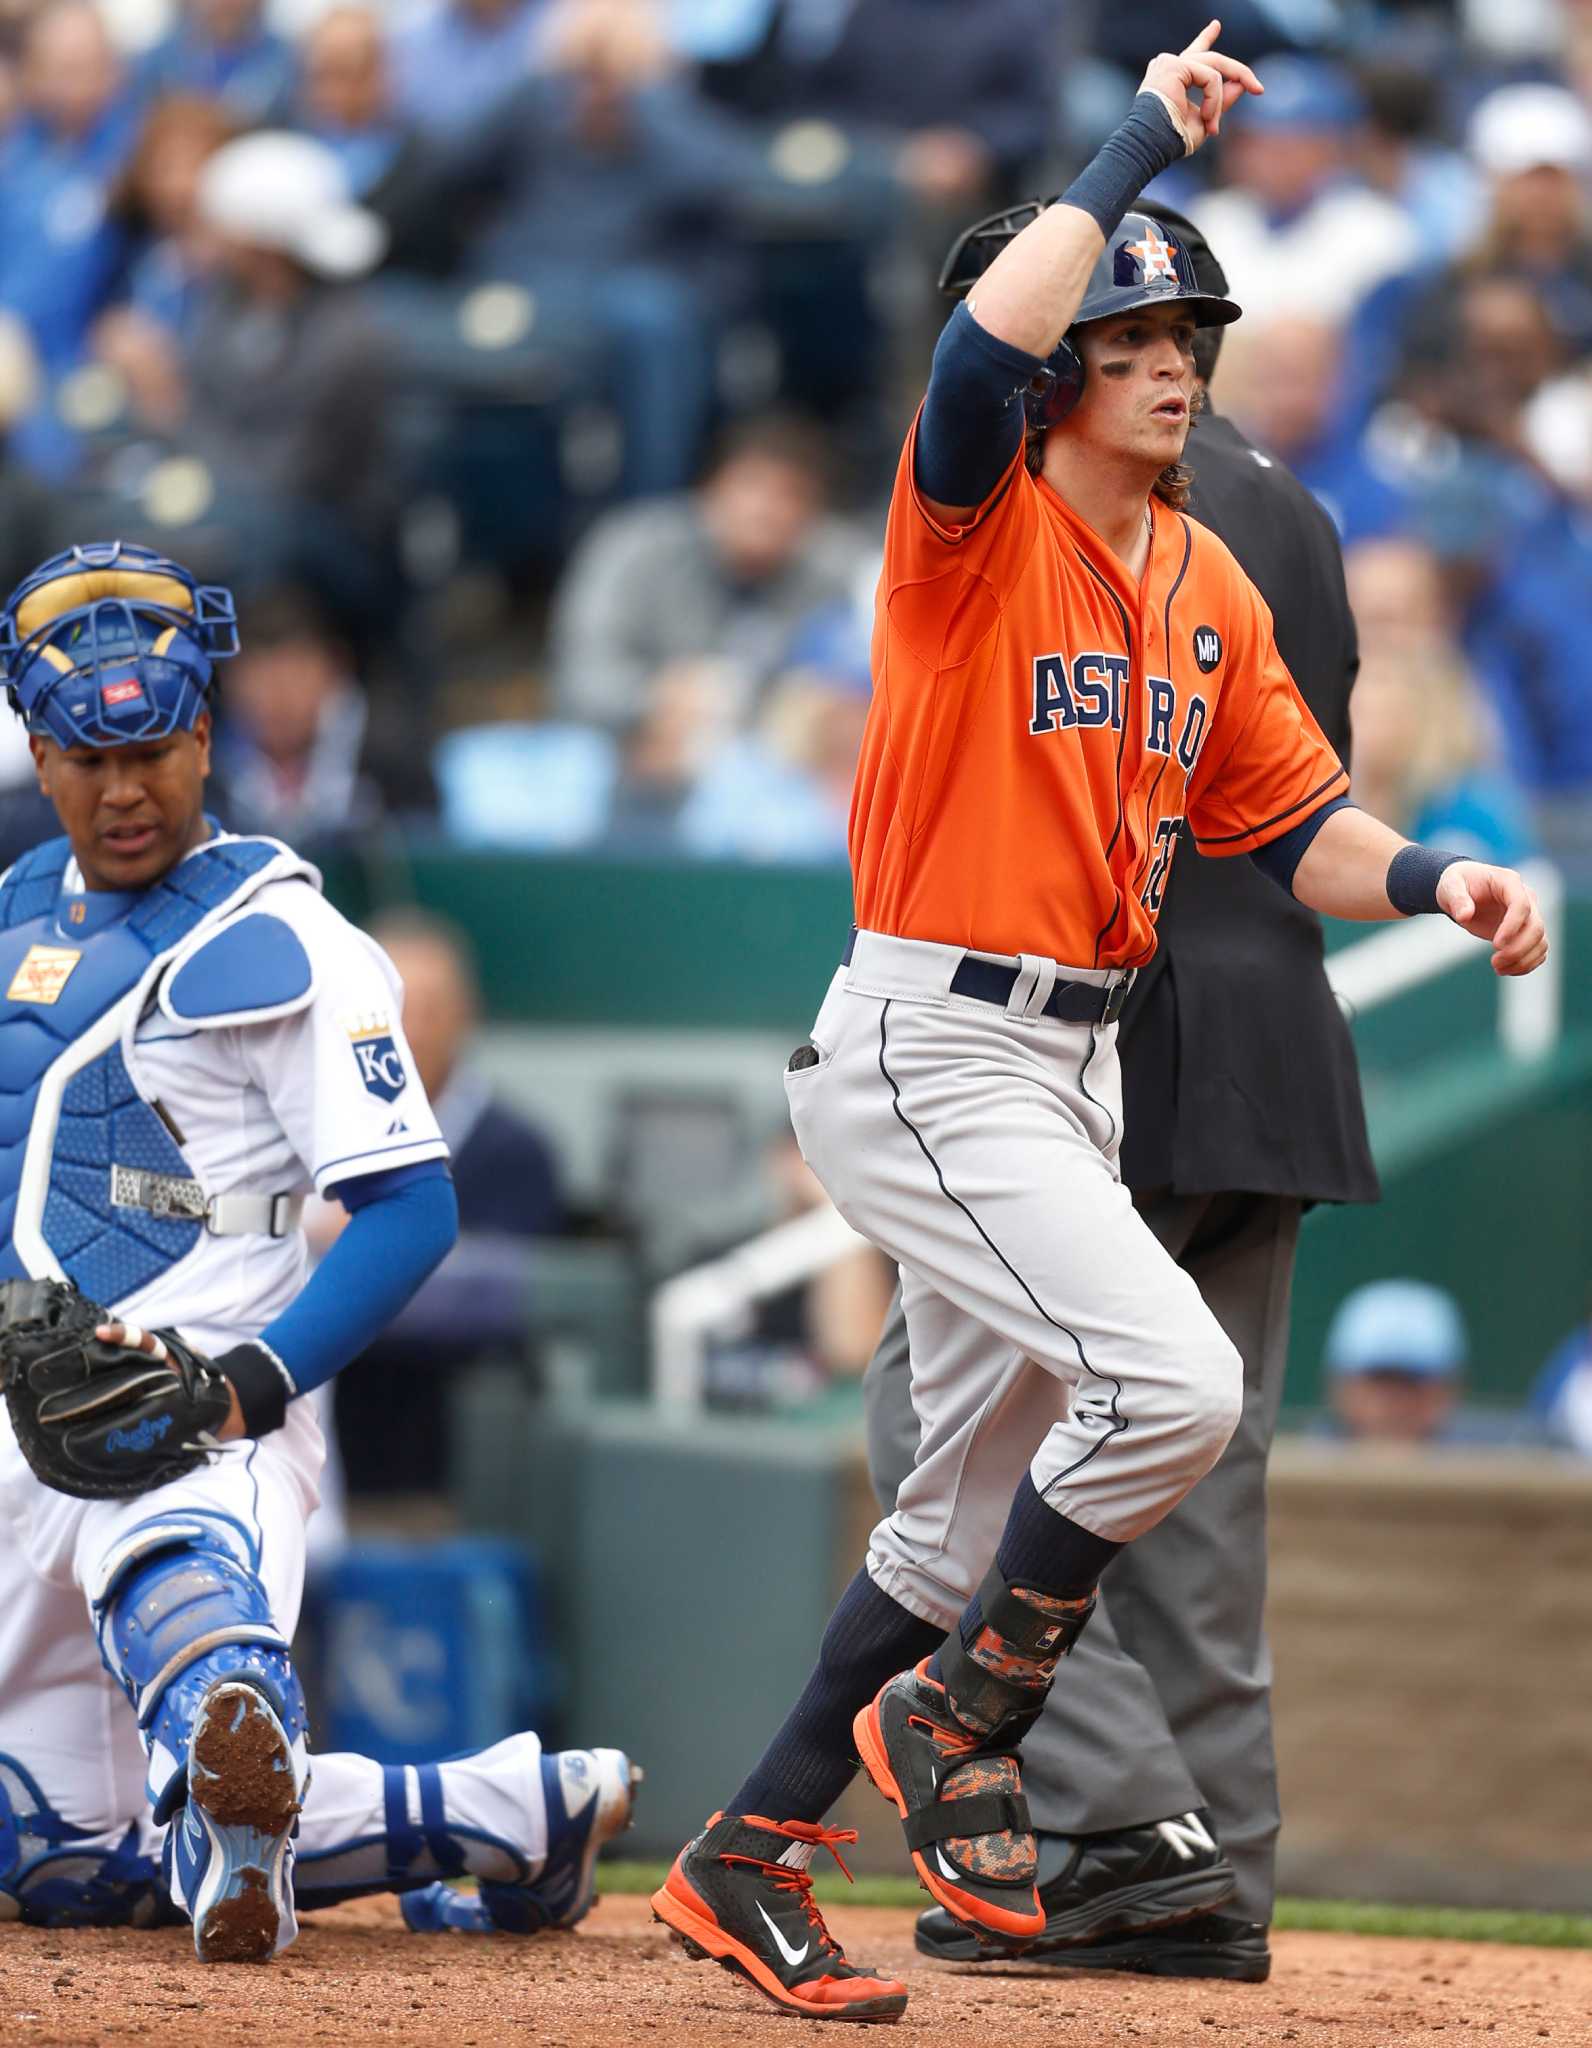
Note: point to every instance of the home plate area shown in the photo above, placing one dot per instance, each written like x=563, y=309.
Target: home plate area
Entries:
x=357, y=1975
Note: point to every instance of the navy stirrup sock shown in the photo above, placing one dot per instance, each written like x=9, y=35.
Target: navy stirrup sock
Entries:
x=1042, y=1548
x=813, y=1758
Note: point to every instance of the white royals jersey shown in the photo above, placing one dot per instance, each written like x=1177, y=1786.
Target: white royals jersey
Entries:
x=283, y=1106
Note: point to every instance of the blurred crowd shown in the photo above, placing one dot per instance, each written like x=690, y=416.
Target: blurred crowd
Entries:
x=1396, y=1367
x=535, y=370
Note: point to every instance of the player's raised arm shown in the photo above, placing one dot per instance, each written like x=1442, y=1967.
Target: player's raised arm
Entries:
x=1030, y=292
x=998, y=346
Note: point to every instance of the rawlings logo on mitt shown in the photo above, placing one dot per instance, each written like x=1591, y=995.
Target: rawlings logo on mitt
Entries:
x=95, y=1419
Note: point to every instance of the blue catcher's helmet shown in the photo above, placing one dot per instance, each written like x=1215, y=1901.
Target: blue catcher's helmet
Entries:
x=109, y=643
x=1144, y=263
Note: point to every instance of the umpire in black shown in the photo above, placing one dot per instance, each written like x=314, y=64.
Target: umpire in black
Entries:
x=1151, y=1776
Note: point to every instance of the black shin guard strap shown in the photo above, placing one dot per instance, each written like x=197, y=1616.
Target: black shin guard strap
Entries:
x=1026, y=1627
x=981, y=1813
x=984, y=1699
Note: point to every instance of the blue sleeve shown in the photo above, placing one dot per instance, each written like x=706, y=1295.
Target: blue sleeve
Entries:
x=972, y=419
x=1280, y=857
x=401, y=1225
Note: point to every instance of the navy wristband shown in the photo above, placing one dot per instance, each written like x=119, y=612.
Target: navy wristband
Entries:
x=1147, y=143
x=1412, y=877
x=261, y=1382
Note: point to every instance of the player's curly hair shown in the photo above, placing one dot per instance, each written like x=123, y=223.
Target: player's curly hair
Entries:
x=1172, y=486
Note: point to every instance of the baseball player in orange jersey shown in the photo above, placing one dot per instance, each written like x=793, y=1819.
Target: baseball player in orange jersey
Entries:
x=1066, y=669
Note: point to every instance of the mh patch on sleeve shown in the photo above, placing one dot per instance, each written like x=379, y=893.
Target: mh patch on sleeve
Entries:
x=381, y=1067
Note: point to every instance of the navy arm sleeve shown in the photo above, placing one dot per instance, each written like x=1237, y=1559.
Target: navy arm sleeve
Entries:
x=402, y=1223
x=972, y=418
x=1280, y=857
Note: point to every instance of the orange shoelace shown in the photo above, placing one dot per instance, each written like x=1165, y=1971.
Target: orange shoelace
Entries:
x=787, y=1878
x=948, y=1741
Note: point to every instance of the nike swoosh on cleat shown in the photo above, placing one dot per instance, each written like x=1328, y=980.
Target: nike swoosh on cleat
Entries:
x=793, y=1956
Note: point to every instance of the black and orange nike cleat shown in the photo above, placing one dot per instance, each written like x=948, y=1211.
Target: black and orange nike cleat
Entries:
x=961, y=1803
x=741, y=1894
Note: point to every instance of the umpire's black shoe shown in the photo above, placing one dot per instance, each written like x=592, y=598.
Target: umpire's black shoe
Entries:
x=1125, y=1883
x=1211, y=1946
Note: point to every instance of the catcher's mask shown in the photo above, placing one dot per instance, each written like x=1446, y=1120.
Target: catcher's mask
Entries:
x=109, y=644
x=1144, y=263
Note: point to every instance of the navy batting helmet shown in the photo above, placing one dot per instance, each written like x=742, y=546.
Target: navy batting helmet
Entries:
x=109, y=643
x=1144, y=263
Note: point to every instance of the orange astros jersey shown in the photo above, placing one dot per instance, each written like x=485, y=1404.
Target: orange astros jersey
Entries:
x=1041, y=727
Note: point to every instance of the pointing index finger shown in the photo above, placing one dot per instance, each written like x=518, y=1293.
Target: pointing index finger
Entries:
x=1203, y=41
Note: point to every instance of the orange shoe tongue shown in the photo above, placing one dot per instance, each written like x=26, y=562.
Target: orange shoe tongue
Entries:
x=1008, y=1856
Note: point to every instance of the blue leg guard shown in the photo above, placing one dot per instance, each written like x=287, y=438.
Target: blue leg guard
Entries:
x=408, y=1853
x=458, y=1817
x=178, y=1605
x=55, y=1875
x=478, y=1815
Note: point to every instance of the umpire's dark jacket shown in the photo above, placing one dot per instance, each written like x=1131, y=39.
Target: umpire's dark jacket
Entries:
x=1238, y=1070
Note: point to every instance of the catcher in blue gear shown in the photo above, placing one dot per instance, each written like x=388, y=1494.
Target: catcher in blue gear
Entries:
x=191, y=1039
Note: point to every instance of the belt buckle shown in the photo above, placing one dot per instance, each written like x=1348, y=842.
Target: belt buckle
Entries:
x=1116, y=996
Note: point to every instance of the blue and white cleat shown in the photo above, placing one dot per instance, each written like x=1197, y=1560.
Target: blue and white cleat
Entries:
x=230, y=1852
x=591, y=1796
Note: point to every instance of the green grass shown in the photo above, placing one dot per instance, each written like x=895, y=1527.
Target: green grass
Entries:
x=1314, y=1916
x=1436, y=1923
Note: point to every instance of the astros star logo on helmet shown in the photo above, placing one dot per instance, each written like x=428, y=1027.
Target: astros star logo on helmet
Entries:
x=1155, y=255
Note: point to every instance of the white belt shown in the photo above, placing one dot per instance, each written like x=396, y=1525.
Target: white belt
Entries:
x=234, y=1215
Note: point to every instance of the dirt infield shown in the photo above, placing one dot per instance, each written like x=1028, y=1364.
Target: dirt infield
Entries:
x=356, y=1976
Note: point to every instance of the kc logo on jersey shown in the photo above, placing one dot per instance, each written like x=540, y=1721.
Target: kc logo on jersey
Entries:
x=381, y=1066
x=43, y=973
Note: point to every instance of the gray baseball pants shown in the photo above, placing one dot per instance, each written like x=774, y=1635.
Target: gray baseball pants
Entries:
x=1049, y=1331
x=1165, y=1703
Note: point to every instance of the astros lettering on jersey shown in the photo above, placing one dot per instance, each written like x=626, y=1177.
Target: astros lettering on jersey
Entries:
x=1042, y=727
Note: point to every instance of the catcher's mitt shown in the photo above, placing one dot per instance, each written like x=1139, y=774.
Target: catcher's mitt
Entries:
x=94, y=1419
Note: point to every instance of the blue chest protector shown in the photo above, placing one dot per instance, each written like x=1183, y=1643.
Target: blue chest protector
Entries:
x=68, y=965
